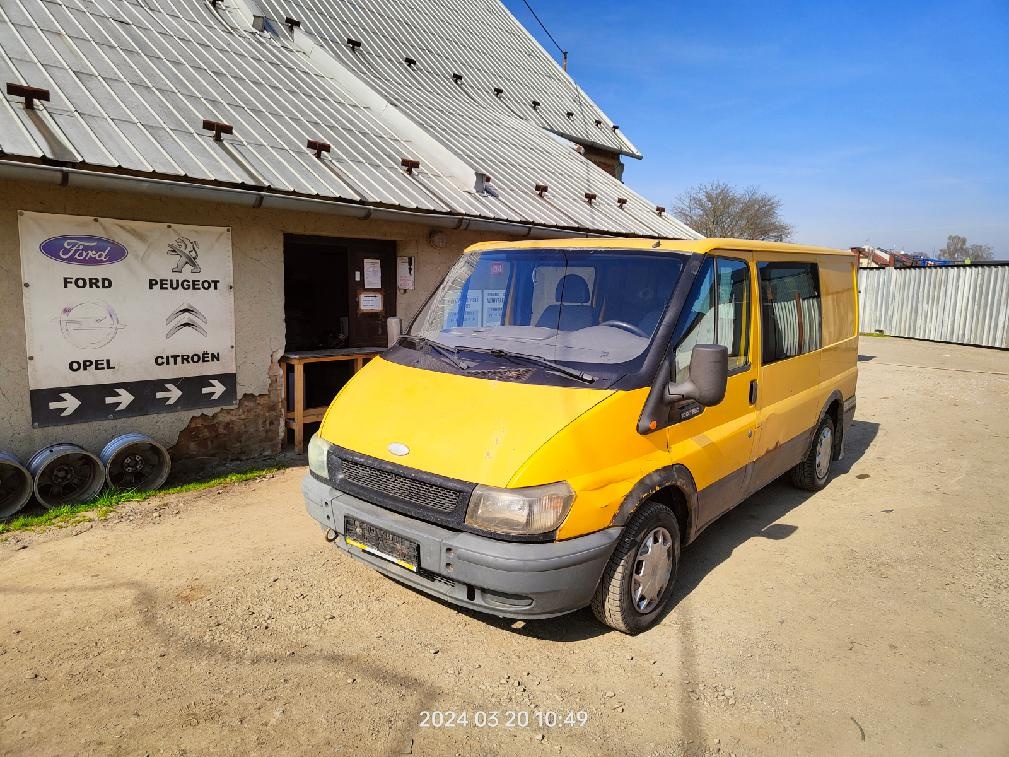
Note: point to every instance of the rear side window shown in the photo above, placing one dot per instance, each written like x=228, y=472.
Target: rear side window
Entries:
x=791, y=314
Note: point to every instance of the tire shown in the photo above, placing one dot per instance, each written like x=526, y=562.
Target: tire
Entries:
x=807, y=474
x=614, y=603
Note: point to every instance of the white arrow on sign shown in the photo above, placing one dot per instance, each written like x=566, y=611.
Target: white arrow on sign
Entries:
x=68, y=405
x=215, y=390
x=121, y=398
x=171, y=396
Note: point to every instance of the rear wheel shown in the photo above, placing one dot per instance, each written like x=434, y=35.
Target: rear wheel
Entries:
x=812, y=473
x=638, y=581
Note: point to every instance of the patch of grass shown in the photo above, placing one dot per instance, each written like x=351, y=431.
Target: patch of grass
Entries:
x=871, y=333
x=102, y=506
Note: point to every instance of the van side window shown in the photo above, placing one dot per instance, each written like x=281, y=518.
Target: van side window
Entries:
x=718, y=312
x=734, y=310
x=791, y=314
x=697, y=323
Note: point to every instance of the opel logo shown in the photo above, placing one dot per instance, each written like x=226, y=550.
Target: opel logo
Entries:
x=398, y=449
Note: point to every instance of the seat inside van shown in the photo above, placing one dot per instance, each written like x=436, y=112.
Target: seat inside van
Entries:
x=572, y=310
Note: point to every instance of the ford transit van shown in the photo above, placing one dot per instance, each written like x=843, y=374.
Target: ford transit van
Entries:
x=563, y=417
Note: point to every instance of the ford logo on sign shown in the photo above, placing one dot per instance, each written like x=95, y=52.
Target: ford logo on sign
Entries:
x=83, y=250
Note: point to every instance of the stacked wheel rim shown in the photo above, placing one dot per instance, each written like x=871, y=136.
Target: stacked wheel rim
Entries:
x=16, y=485
x=66, y=474
x=135, y=462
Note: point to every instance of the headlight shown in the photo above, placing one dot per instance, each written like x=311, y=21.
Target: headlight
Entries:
x=533, y=510
x=318, y=456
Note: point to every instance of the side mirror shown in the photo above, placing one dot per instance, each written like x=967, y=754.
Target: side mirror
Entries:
x=709, y=372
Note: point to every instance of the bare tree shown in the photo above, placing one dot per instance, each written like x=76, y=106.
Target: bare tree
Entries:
x=719, y=210
x=977, y=252
x=955, y=249
x=958, y=250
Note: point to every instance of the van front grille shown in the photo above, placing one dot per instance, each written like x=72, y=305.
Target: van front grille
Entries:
x=402, y=488
x=428, y=497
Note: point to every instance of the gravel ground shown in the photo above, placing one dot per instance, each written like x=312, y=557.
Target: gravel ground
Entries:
x=870, y=618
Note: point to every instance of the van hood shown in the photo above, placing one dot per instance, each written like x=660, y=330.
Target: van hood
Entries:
x=466, y=428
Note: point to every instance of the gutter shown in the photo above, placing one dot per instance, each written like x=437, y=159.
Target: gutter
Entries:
x=96, y=180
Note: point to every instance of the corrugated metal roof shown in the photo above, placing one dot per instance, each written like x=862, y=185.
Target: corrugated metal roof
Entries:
x=479, y=39
x=132, y=80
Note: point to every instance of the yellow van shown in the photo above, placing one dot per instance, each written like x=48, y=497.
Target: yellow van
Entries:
x=562, y=417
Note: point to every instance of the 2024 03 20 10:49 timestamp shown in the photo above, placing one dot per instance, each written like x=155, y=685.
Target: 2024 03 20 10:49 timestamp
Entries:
x=503, y=719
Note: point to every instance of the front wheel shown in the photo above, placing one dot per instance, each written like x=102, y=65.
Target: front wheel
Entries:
x=638, y=581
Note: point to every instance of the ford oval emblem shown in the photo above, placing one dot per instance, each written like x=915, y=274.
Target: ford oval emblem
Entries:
x=84, y=249
x=398, y=449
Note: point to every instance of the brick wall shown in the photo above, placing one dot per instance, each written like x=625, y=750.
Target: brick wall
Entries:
x=606, y=160
x=253, y=429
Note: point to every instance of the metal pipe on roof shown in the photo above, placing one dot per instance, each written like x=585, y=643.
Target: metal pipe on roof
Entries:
x=113, y=182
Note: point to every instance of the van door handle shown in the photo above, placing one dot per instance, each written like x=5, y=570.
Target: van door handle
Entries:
x=753, y=392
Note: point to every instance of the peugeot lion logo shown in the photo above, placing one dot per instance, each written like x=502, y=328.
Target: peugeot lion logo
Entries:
x=399, y=449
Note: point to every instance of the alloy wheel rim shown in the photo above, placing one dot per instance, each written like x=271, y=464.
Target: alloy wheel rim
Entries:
x=137, y=469
x=824, y=448
x=653, y=567
x=66, y=479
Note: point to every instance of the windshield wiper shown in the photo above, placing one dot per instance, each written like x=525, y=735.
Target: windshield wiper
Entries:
x=448, y=353
x=585, y=378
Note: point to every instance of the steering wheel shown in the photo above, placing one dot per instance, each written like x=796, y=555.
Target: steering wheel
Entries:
x=626, y=327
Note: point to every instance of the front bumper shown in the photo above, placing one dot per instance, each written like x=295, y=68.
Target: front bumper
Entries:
x=509, y=579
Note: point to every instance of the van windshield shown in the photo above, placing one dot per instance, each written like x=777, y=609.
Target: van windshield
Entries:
x=587, y=307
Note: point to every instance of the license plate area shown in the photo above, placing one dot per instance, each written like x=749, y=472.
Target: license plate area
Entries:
x=381, y=543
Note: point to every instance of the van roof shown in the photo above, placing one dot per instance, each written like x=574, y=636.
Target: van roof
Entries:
x=669, y=245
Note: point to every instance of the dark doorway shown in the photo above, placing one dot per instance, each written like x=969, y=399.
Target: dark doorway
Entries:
x=338, y=293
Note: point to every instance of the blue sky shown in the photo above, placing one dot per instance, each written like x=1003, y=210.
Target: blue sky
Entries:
x=885, y=123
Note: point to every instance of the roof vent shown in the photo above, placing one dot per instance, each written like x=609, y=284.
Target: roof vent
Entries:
x=498, y=91
x=410, y=165
x=590, y=196
x=660, y=210
x=30, y=94
x=541, y=189
x=457, y=78
x=599, y=122
x=292, y=23
x=353, y=44
x=536, y=104
x=621, y=201
x=570, y=114
x=484, y=185
x=410, y=61
x=218, y=127
x=319, y=147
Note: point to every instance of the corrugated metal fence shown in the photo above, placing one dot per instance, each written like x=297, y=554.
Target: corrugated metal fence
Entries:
x=960, y=304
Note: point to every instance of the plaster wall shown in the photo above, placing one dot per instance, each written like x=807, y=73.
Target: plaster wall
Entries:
x=257, y=249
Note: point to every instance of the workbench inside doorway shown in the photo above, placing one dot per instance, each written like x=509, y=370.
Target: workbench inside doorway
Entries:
x=303, y=408
x=338, y=294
